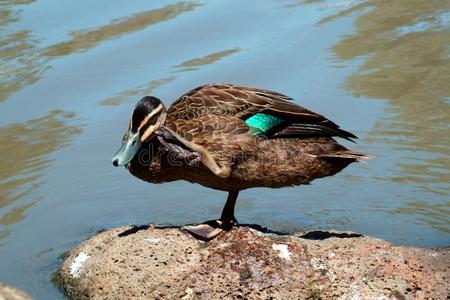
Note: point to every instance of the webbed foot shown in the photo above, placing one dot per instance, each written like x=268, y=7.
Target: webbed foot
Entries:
x=210, y=229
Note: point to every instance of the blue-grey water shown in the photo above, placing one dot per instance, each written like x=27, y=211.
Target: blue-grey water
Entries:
x=71, y=72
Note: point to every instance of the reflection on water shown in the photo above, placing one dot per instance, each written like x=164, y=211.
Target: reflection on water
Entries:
x=24, y=155
x=147, y=89
x=194, y=63
x=21, y=63
x=434, y=214
x=131, y=94
x=8, y=13
x=351, y=7
x=86, y=39
x=408, y=64
x=333, y=9
x=15, y=215
x=297, y=3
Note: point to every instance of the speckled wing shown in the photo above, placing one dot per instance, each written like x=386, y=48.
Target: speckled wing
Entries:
x=227, y=100
x=243, y=102
x=210, y=129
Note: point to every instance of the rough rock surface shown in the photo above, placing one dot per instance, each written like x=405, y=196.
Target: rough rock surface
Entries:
x=10, y=293
x=167, y=263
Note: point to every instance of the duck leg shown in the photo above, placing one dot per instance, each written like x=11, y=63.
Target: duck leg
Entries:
x=227, y=216
x=205, y=156
x=210, y=229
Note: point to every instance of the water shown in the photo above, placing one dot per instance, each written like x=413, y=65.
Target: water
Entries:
x=72, y=70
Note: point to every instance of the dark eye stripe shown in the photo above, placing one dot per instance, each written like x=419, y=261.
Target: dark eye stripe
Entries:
x=153, y=119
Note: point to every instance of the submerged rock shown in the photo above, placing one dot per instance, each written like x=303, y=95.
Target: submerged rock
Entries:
x=245, y=263
x=11, y=293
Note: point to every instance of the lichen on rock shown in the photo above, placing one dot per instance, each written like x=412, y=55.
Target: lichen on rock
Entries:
x=151, y=262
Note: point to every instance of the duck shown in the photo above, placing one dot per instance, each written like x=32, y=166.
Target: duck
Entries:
x=231, y=138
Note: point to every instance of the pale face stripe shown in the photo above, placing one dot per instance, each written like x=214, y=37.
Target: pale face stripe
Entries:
x=148, y=132
x=152, y=128
x=151, y=114
x=143, y=122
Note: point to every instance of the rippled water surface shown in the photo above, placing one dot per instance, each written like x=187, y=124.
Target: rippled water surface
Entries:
x=72, y=70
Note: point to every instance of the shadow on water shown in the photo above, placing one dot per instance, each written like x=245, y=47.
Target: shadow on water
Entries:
x=406, y=49
x=23, y=156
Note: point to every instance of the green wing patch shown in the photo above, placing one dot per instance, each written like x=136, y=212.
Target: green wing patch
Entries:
x=261, y=122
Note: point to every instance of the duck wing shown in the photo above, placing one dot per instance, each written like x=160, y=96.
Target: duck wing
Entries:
x=266, y=112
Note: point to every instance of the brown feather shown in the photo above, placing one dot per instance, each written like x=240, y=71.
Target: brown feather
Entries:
x=213, y=116
x=243, y=102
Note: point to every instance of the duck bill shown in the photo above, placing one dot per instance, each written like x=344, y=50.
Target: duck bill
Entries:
x=128, y=150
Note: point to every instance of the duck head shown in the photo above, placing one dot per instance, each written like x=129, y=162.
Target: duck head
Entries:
x=148, y=115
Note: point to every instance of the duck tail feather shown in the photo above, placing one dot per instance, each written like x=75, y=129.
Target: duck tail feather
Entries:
x=360, y=157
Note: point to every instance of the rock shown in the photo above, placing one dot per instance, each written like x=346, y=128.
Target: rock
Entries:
x=245, y=263
x=10, y=293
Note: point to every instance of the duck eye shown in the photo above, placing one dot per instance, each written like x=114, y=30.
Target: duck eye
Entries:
x=133, y=142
